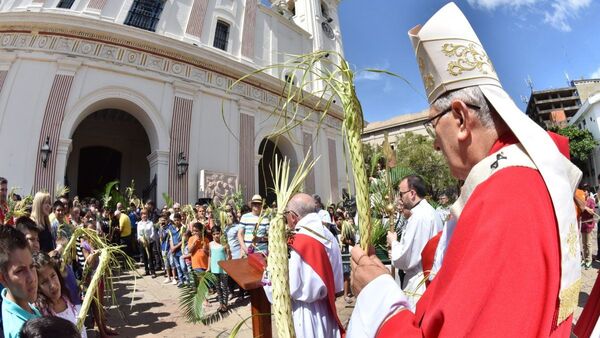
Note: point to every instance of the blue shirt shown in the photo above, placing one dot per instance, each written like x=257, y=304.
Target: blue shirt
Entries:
x=176, y=236
x=13, y=316
x=163, y=233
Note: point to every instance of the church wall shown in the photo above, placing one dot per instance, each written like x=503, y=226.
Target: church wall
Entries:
x=103, y=66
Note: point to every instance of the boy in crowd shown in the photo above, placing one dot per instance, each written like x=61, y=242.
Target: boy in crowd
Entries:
x=31, y=232
x=19, y=277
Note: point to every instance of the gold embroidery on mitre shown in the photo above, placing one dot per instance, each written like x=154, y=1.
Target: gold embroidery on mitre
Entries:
x=569, y=298
x=427, y=78
x=470, y=57
x=572, y=241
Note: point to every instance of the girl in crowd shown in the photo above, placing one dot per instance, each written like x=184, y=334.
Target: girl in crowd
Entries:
x=53, y=296
x=198, y=245
x=217, y=254
x=40, y=210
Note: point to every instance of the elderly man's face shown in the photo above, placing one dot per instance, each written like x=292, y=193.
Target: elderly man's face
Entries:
x=446, y=140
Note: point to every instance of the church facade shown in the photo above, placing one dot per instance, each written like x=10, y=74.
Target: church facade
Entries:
x=97, y=90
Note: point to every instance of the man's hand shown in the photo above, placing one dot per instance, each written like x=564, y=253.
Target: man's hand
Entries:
x=365, y=268
x=391, y=238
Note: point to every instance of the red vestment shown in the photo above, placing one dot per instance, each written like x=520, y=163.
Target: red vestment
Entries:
x=501, y=272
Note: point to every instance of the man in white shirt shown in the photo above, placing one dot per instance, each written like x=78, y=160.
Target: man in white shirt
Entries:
x=146, y=236
x=422, y=225
x=323, y=214
x=315, y=267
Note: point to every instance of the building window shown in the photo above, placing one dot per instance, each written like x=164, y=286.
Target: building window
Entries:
x=221, y=35
x=65, y=3
x=144, y=14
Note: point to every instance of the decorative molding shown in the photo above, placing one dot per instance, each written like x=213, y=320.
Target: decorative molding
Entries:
x=158, y=157
x=68, y=66
x=65, y=146
x=165, y=61
x=185, y=89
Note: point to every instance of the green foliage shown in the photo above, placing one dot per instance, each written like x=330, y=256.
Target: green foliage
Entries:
x=111, y=195
x=191, y=298
x=168, y=200
x=416, y=153
x=581, y=143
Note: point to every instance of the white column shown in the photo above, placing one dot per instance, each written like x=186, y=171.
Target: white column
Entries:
x=62, y=155
x=159, y=166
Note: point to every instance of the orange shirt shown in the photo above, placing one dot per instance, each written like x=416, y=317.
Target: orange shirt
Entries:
x=199, y=256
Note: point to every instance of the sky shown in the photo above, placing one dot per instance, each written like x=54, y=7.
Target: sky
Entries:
x=546, y=41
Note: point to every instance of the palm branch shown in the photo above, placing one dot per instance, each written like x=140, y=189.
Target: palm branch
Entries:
x=192, y=297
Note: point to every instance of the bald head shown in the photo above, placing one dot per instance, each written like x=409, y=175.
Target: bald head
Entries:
x=302, y=204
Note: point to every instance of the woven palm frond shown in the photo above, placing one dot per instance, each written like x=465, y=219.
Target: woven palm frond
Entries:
x=277, y=263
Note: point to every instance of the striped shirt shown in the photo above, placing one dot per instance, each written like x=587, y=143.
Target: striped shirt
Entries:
x=249, y=222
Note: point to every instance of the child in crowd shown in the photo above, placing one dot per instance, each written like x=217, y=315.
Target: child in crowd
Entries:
x=53, y=296
x=198, y=246
x=217, y=254
x=49, y=327
x=175, y=238
x=28, y=228
x=18, y=276
x=163, y=234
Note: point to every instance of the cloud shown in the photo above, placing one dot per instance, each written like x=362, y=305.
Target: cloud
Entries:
x=564, y=10
x=372, y=76
x=557, y=13
x=596, y=74
x=493, y=4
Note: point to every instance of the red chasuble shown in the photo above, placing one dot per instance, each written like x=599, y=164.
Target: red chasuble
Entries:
x=501, y=272
x=314, y=254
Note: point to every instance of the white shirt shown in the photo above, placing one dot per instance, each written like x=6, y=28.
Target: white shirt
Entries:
x=310, y=308
x=146, y=229
x=325, y=216
x=422, y=225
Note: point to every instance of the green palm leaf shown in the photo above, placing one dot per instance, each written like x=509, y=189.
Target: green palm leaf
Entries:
x=191, y=298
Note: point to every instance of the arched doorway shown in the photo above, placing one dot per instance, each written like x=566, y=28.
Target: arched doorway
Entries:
x=108, y=144
x=266, y=168
x=269, y=149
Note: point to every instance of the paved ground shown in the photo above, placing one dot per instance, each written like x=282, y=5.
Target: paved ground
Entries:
x=155, y=313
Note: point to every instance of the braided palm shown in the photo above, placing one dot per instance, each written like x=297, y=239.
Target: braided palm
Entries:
x=278, y=265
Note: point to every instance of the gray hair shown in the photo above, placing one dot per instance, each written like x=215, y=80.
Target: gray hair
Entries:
x=472, y=95
x=302, y=204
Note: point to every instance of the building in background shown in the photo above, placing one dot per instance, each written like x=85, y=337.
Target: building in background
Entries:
x=544, y=106
x=374, y=132
x=96, y=90
x=588, y=117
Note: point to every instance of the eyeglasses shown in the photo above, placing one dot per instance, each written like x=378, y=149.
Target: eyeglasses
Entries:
x=403, y=192
x=430, y=125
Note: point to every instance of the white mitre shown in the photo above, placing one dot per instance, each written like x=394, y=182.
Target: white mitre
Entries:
x=451, y=57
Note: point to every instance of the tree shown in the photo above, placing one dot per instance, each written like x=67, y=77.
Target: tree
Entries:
x=581, y=144
x=416, y=152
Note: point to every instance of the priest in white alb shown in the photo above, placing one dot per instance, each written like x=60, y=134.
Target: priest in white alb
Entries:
x=315, y=268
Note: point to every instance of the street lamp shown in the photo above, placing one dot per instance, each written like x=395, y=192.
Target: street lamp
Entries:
x=46, y=151
x=182, y=164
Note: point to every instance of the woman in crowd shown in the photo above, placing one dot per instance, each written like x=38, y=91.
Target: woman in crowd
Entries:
x=40, y=210
x=53, y=296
